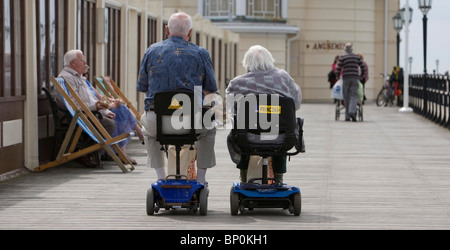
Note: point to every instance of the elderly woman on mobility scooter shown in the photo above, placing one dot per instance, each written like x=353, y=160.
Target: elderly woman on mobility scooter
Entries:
x=262, y=78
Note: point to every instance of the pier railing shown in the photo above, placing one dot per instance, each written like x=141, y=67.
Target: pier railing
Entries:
x=430, y=98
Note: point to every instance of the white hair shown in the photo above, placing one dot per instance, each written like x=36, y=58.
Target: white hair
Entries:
x=70, y=56
x=258, y=58
x=180, y=24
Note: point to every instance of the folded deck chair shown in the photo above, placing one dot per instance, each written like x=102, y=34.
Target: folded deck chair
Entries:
x=88, y=123
x=110, y=89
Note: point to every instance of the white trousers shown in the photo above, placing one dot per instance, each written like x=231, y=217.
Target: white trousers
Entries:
x=206, y=157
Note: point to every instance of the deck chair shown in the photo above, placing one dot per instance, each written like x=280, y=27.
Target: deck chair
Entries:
x=60, y=122
x=110, y=89
x=88, y=123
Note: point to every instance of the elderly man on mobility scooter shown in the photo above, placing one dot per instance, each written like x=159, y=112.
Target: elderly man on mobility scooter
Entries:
x=263, y=79
x=179, y=66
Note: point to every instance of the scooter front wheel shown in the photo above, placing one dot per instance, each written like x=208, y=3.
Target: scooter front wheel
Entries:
x=234, y=202
x=150, y=202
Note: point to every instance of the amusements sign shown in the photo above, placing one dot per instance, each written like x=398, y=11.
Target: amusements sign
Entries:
x=326, y=46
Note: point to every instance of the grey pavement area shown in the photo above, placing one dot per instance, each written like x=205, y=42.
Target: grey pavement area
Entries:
x=391, y=171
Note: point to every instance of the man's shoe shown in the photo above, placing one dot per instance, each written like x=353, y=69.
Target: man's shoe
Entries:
x=278, y=177
x=88, y=161
x=353, y=117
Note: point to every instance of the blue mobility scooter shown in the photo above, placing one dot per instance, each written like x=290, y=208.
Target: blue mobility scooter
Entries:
x=176, y=191
x=248, y=136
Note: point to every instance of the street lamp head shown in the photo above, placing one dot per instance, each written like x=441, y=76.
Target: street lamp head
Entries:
x=398, y=22
x=425, y=6
x=404, y=14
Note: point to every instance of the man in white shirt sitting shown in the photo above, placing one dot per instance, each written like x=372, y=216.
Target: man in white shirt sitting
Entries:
x=75, y=66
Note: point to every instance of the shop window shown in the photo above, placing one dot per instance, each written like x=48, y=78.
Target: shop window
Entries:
x=12, y=28
x=113, y=45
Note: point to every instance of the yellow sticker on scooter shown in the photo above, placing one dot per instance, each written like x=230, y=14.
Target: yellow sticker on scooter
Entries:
x=270, y=110
x=175, y=105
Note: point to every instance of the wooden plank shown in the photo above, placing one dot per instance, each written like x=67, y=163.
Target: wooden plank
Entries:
x=389, y=172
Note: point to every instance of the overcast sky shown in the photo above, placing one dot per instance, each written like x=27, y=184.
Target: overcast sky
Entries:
x=438, y=37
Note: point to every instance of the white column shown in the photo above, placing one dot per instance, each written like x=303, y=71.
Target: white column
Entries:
x=72, y=24
x=132, y=67
x=241, y=8
x=100, y=44
x=31, y=141
x=284, y=9
x=200, y=7
x=406, y=108
x=124, y=44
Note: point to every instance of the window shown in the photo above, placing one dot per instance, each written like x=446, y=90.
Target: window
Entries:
x=165, y=23
x=219, y=8
x=51, y=43
x=197, y=38
x=12, y=28
x=152, y=31
x=264, y=8
x=220, y=60
x=213, y=52
x=87, y=32
x=139, y=52
x=112, y=53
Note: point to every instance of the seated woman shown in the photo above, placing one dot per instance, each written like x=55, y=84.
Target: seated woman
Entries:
x=262, y=78
x=124, y=119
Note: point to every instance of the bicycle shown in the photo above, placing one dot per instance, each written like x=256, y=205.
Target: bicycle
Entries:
x=387, y=93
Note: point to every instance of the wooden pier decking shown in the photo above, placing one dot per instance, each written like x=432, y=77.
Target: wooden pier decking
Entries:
x=391, y=171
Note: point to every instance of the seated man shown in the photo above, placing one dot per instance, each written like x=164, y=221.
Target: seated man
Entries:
x=75, y=66
x=263, y=78
x=74, y=70
x=177, y=65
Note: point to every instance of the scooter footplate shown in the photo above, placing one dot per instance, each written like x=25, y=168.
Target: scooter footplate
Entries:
x=176, y=191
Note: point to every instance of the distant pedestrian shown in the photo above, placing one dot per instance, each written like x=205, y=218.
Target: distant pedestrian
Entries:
x=332, y=78
x=349, y=63
x=365, y=77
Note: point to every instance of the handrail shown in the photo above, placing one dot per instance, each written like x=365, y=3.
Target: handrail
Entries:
x=429, y=96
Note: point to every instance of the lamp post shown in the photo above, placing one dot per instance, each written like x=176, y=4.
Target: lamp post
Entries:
x=410, y=64
x=398, y=25
x=425, y=6
x=437, y=66
x=406, y=14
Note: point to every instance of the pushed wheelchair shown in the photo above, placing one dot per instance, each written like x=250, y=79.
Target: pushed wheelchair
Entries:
x=252, y=136
x=176, y=191
x=341, y=107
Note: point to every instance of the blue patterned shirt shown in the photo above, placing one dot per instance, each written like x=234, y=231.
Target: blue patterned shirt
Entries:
x=175, y=64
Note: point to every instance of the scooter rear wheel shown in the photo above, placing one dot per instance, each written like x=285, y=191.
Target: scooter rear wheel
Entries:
x=297, y=204
x=203, y=200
